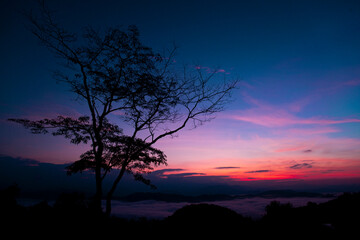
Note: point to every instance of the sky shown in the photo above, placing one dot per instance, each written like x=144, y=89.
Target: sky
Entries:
x=294, y=117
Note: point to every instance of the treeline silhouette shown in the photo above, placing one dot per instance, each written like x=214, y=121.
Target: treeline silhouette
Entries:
x=72, y=215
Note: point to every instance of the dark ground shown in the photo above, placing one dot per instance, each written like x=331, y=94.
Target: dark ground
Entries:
x=71, y=216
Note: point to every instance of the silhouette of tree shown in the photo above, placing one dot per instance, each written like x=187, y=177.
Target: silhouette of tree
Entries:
x=114, y=73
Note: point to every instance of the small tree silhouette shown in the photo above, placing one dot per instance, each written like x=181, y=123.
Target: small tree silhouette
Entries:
x=114, y=73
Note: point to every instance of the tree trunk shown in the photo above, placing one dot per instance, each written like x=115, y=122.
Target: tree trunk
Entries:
x=108, y=203
x=98, y=179
x=112, y=190
x=98, y=193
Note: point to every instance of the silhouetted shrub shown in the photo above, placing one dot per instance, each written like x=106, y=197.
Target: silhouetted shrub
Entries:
x=207, y=219
x=342, y=213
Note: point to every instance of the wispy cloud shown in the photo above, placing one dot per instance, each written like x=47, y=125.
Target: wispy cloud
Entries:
x=164, y=172
x=281, y=118
x=226, y=167
x=355, y=82
x=211, y=70
x=187, y=174
x=301, y=166
x=268, y=115
x=259, y=171
x=291, y=149
x=175, y=173
x=313, y=130
x=332, y=171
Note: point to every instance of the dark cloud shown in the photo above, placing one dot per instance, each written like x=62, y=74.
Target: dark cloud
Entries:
x=332, y=170
x=307, y=151
x=226, y=167
x=162, y=171
x=259, y=171
x=169, y=173
x=301, y=165
x=191, y=174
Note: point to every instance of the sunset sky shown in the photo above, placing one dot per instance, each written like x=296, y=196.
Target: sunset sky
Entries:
x=295, y=115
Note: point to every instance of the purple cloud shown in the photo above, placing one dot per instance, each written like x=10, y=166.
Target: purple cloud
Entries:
x=226, y=167
x=259, y=171
x=301, y=166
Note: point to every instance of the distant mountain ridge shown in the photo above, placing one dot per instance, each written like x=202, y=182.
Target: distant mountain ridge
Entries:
x=165, y=197
x=288, y=194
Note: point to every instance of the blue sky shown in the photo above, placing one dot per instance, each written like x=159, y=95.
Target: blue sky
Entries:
x=298, y=62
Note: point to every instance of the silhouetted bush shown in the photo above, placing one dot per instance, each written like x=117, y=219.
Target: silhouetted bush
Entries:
x=335, y=218
x=207, y=220
x=343, y=213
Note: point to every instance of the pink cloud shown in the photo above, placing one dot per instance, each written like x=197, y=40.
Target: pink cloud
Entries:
x=246, y=84
x=267, y=115
x=355, y=82
x=299, y=105
x=282, y=119
x=327, y=121
x=308, y=131
x=291, y=149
